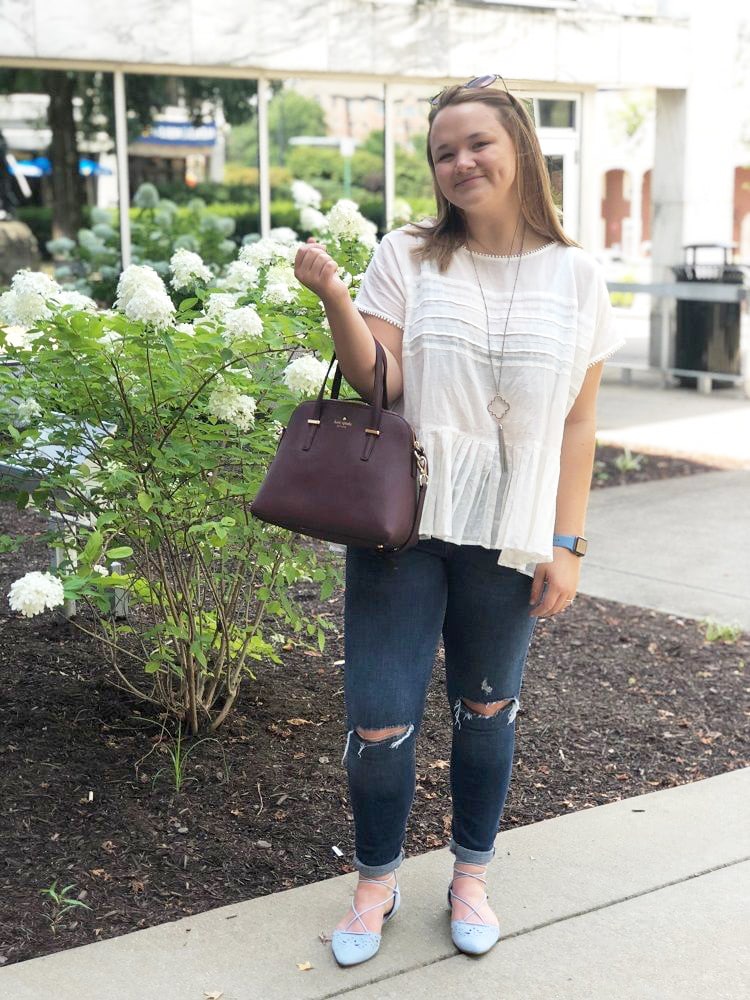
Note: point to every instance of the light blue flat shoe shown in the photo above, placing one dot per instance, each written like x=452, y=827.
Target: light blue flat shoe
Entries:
x=471, y=938
x=353, y=947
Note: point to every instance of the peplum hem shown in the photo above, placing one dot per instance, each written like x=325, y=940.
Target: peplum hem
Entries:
x=479, y=503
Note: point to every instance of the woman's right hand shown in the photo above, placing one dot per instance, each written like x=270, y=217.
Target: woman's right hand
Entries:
x=318, y=271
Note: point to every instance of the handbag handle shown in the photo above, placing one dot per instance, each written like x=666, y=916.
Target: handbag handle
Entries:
x=381, y=373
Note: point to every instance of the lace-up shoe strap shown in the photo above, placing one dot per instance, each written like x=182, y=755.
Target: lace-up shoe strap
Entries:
x=457, y=873
x=358, y=914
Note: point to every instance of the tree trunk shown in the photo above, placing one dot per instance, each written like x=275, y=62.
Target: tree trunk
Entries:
x=67, y=189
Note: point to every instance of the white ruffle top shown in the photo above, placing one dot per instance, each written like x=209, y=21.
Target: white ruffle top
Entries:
x=560, y=324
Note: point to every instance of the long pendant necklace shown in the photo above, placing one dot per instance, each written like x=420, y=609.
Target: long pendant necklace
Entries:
x=499, y=406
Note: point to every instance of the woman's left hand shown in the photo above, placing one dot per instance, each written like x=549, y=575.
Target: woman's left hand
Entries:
x=555, y=584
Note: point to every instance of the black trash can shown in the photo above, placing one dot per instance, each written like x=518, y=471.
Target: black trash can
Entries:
x=708, y=333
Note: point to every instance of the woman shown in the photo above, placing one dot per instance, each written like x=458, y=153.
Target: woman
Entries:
x=495, y=326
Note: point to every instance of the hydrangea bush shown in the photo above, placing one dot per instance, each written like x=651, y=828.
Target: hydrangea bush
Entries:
x=92, y=265
x=148, y=429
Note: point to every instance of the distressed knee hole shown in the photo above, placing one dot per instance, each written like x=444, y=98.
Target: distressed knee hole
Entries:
x=376, y=735
x=392, y=737
x=465, y=709
x=492, y=709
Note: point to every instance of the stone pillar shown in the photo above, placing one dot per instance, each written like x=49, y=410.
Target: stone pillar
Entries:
x=692, y=182
x=589, y=231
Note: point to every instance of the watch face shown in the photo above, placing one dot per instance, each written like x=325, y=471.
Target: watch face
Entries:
x=580, y=546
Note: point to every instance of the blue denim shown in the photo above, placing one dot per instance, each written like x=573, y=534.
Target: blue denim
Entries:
x=396, y=607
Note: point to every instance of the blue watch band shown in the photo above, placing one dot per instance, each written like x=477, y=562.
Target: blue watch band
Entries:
x=574, y=543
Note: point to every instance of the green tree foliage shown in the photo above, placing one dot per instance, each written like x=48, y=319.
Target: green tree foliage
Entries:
x=289, y=114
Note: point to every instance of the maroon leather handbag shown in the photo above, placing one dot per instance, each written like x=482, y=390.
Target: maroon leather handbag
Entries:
x=347, y=471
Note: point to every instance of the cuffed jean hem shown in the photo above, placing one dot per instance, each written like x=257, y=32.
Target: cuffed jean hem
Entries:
x=375, y=871
x=464, y=855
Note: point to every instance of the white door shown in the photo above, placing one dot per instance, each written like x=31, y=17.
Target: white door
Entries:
x=561, y=154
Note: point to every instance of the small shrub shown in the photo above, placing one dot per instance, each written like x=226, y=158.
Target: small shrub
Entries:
x=716, y=632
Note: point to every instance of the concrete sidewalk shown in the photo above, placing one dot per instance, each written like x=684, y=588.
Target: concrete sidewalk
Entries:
x=643, y=898
x=676, y=545
x=645, y=417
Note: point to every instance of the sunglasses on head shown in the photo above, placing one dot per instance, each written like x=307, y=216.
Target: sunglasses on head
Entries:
x=477, y=83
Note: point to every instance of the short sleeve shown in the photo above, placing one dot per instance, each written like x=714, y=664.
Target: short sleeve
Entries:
x=382, y=291
x=606, y=340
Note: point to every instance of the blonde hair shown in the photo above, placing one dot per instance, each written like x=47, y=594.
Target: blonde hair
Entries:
x=442, y=236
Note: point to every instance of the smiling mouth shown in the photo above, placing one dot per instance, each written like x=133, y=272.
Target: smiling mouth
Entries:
x=467, y=179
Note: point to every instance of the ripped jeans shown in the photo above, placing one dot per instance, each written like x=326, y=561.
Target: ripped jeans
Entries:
x=396, y=606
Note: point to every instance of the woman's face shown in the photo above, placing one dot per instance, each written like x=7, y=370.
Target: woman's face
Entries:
x=474, y=157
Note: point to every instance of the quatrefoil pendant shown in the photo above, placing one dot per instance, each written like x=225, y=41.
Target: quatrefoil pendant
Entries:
x=498, y=407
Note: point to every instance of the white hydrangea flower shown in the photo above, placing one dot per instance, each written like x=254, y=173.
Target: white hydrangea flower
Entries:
x=347, y=223
x=26, y=411
x=312, y=220
x=305, y=195
x=305, y=375
x=35, y=592
x=110, y=339
x=229, y=404
x=150, y=305
x=401, y=210
x=69, y=297
x=278, y=429
x=188, y=268
x=26, y=281
x=283, y=234
x=132, y=280
x=278, y=294
x=218, y=304
x=281, y=285
x=19, y=337
x=243, y=322
x=240, y=276
x=187, y=328
x=26, y=301
x=265, y=251
x=101, y=570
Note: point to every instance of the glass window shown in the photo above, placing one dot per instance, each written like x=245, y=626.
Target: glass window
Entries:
x=557, y=114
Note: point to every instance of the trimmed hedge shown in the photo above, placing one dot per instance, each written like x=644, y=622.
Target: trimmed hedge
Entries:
x=245, y=215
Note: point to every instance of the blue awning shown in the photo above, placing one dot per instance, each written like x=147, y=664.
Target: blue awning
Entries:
x=171, y=133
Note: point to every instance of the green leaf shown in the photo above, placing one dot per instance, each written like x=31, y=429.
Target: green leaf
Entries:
x=174, y=355
x=93, y=548
x=145, y=502
x=122, y=552
x=195, y=649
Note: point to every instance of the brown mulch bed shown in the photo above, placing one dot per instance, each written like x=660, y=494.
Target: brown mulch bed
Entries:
x=617, y=701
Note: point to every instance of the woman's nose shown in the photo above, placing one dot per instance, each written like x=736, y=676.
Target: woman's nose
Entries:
x=464, y=161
